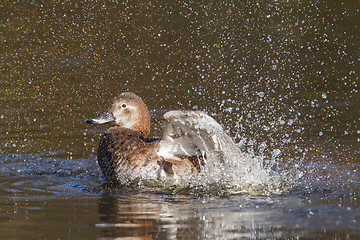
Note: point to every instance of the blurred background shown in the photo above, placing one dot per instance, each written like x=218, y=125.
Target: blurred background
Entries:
x=280, y=76
x=284, y=73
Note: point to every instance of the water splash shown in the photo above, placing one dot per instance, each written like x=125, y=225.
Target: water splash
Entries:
x=237, y=173
x=247, y=173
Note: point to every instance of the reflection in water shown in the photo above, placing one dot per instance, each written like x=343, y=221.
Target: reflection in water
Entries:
x=42, y=190
x=161, y=217
x=145, y=217
x=124, y=219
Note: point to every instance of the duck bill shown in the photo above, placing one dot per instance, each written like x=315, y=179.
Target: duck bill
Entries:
x=106, y=117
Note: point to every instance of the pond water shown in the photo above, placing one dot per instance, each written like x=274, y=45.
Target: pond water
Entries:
x=282, y=77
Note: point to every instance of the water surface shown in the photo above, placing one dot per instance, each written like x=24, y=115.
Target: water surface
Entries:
x=282, y=77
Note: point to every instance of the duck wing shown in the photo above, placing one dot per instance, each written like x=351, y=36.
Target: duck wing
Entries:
x=193, y=133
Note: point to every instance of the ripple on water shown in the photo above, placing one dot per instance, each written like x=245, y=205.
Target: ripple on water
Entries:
x=46, y=175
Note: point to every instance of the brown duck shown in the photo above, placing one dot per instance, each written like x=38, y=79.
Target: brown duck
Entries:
x=126, y=155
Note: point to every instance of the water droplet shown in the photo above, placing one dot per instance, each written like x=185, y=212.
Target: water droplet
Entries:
x=261, y=94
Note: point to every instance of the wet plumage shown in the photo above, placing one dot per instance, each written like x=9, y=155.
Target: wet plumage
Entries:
x=126, y=155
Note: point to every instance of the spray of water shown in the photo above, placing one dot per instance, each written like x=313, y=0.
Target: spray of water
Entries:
x=233, y=171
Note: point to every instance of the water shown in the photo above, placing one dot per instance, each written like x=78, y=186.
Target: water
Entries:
x=282, y=77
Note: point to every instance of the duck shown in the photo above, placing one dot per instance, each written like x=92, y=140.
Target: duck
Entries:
x=126, y=155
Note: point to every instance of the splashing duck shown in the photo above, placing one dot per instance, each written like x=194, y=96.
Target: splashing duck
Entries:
x=126, y=155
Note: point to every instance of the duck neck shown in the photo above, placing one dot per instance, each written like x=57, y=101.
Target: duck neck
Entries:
x=142, y=123
x=143, y=128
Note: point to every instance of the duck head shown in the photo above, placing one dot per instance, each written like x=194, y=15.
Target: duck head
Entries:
x=128, y=111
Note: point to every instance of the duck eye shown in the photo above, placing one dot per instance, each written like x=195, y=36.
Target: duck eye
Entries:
x=124, y=105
